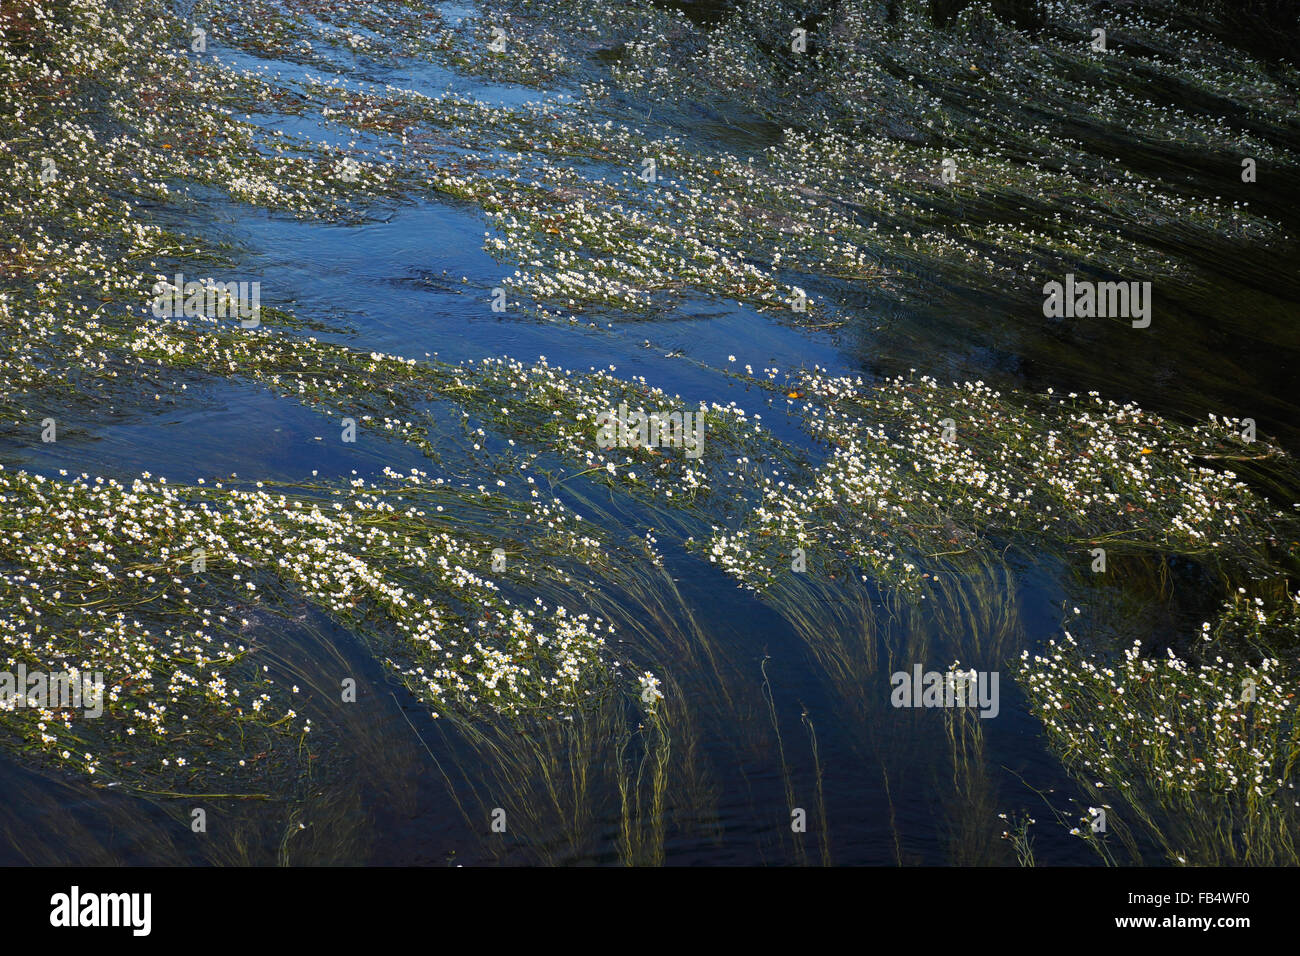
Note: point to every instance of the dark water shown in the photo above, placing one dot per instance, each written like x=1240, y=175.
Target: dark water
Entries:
x=1226, y=345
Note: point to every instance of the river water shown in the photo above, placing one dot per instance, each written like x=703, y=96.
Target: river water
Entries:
x=773, y=730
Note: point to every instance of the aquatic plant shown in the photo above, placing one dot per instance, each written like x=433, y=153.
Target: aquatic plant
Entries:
x=920, y=471
x=1199, y=755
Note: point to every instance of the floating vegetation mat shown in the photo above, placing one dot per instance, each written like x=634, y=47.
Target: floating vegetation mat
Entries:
x=1198, y=755
x=919, y=470
x=87, y=561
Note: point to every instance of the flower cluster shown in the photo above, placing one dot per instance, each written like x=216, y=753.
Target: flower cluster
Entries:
x=917, y=470
x=1202, y=752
